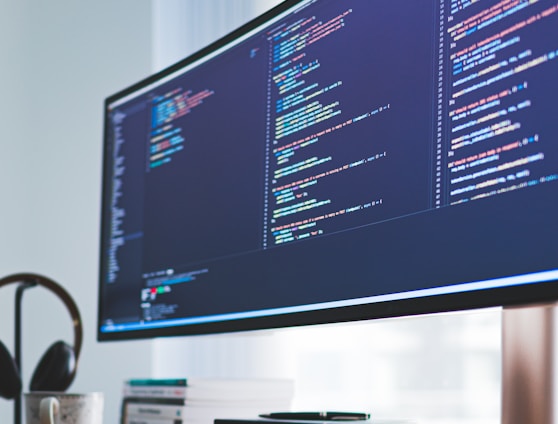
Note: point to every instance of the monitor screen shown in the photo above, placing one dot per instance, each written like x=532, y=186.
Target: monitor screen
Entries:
x=336, y=160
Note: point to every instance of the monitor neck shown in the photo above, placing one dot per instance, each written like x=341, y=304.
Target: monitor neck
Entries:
x=529, y=379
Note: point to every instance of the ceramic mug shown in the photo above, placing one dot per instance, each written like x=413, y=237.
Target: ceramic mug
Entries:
x=63, y=408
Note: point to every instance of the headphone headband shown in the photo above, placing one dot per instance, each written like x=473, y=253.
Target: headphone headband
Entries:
x=62, y=294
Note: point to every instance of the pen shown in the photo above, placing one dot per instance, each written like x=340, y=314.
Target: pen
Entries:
x=318, y=416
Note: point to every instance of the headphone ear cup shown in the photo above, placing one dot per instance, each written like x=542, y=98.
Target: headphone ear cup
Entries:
x=10, y=381
x=55, y=370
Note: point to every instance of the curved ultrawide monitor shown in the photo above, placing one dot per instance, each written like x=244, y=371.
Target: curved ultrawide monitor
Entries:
x=332, y=161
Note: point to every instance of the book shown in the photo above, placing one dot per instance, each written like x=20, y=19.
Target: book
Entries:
x=155, y=388
x=182, y=382
x=143, y=420
x=238, y=388
x=153, y=401
x=155, y=410
x=200, y=401
x=165, y=411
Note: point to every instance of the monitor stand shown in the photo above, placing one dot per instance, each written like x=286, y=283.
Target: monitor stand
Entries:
x=529, y=374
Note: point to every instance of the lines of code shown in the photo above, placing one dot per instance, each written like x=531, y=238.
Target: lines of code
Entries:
x=292, y=73
x=166, y=138
x=307, y=124
x=497, y=98
x=118, y=212
x=124, y=231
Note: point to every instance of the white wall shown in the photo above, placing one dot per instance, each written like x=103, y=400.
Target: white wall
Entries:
x=59, y=59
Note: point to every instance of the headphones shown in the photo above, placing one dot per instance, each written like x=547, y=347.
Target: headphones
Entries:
x=57, y=368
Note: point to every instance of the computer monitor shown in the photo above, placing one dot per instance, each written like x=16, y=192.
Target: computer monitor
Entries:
x=335, y=161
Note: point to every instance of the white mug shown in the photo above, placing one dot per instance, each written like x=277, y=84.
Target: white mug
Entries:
x=63, y=408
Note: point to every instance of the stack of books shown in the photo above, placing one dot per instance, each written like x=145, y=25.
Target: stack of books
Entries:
x=201, y=401
x=209, y=399
x=153, y=401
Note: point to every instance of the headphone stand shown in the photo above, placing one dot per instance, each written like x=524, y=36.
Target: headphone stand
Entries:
x=58, y=365
x=17, y=342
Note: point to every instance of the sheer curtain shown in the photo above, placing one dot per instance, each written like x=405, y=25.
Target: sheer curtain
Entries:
x=434, y=369
x=182, y=27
